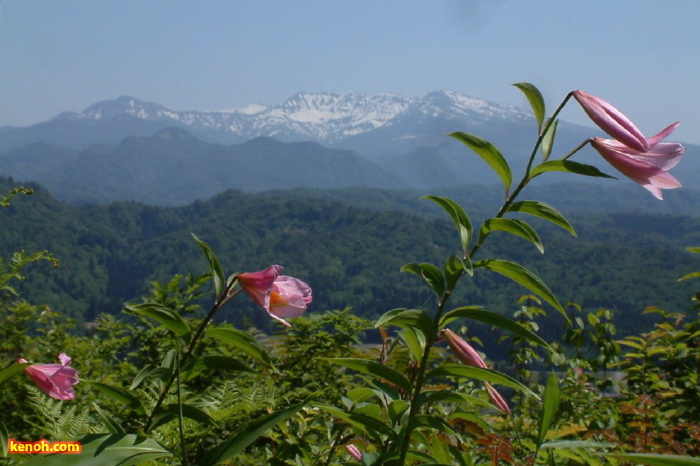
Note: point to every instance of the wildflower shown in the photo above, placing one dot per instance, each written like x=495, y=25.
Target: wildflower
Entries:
x=281, y=296
x=649, y=169
x=56, y=380
x=496, y=398
x=354, y=452
x=645, y=161
x=463, y=350
x=612, y=121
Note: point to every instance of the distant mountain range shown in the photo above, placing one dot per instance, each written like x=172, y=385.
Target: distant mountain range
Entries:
x=127, y=149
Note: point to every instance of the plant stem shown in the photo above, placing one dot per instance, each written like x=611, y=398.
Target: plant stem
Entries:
x=220, y=301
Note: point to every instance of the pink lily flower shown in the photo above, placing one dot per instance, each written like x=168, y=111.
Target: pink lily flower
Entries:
x=612, y=121
x=649, y=168
x=463, y=350
x=281, y=296
x=354, y=451
x=56, y=380
x=644, y=160
x=496, y=398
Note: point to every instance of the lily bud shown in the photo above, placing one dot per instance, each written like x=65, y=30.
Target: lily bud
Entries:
x=463, y=350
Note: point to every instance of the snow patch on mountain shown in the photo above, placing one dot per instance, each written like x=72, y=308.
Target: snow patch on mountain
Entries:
x=325, y=117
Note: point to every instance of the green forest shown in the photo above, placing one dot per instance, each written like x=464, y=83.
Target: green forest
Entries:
x=350, y=244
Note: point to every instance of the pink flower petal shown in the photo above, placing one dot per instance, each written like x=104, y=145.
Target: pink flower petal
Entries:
x=281, y=296
x=463, y=350
x=612, y=121
x=663, y=134
x=648, y=169
x=56, y=380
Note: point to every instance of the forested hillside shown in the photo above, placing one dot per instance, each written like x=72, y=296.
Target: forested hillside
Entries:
x=349, y=249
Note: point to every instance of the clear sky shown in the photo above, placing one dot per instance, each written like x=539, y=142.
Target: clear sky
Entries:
x=641, y=55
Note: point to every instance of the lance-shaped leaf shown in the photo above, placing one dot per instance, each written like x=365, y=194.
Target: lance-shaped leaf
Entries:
x=168, y=318
x=121, y=449
x=489, y=153
x=536, y=101
x=552, y=398
x=543, y=211
x=514, y=227
x=495, y=319
x=171, y=412
x=374, y=369
x=217, y=272
x=689, y=276
x=548, y=138
x=415, y=340
x=12, y=370
x=655, y=459
x=455, y=268
x=484, y=375
x=373, y=427
x=450, y=396
x=408, y=318
x=247, y=436
x=242, y=341
x=568, y=166
x=458, y=216
x=430, y=274
x=523, y=276
x=4, y=437
x=148, y=371
x=119, y=394
x=214, y=362
x=111, y=424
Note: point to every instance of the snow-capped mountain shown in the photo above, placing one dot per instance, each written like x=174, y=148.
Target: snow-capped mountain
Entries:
x=322, y=117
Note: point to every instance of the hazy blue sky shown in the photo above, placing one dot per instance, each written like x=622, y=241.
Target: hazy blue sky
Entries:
x=641, y=55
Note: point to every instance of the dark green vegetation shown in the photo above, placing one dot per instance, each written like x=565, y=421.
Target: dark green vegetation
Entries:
x=349, y=245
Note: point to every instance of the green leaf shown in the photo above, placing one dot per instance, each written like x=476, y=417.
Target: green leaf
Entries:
x=163, y=373
x=396, y=409
x=215, y=362
x=4, y=437
x=164, y=316
x=109, y=422
x=217, y=272
x=248, y=435
x=523, y=276
x=552, y=398
x=514, y=227
x=118, y=394
x=485, y=375
x=548, y=138
x=694, y=249
x=374, y=369
x=12, y=369
x=415, y=342
x=121, y=449
x=689, y=276
x=450, y=396
x=430, y=274
x=171, y=412
x=242, y=341
x=489, y=153
x=373, y=427
x=568, y=444
x=455, y=268
x=656, y=459
x=568, y=166
x=495, y=319
x=543, y=211
x=459, y=217
x=536, y=101
x=408, y=318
